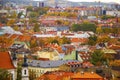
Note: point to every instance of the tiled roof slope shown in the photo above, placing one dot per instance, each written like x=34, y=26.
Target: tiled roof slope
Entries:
x=86, y=76
x=5, y=61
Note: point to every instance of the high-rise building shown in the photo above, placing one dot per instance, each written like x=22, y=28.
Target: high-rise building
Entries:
x=40, y=4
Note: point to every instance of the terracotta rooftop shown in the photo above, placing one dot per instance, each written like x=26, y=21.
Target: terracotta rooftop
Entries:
x=5, y=61
x=24, y=38
x=48, y=21
x=81, y=40
x=114, y=47
x=1, y=24
x=58, y=75
x=85, y=56
x=14, y=36
x=87, y=75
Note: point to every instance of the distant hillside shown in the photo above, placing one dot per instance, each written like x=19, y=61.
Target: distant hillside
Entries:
x=3, y=2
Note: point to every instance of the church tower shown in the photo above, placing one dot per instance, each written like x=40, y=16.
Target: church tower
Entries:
x=25, y=72
x=14, y=58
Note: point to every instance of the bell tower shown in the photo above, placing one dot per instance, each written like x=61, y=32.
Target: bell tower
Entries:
x=25, y=72
x=14, y=58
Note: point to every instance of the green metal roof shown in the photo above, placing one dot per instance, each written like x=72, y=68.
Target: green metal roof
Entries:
x=72, y=56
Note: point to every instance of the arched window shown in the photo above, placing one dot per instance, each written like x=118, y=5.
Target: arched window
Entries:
x=25, y=72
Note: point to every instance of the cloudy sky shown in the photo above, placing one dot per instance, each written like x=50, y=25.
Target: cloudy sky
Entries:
x=118, y=1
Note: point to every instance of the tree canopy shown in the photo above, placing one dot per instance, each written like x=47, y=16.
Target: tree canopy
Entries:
x=36, y=28
x=97, y=57
x=86, y=26
x=105, y=17
x=92, y=40
x=4, y=75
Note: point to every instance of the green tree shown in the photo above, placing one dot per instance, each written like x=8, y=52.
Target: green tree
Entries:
x=29, y=8
x=75, y=27
x=16, y=28
x=32, y=20
x=115, y=31
x=59, y=22
x=55, y=41
x=107, y=30
x=20, y=14
x=105, y=17
x=3, y=19
x=43, y=10
x=97, y=58
x=33, y=43
x=13, y=15
x=11, y=22
x=92, y=40
x=99, y=30
x=4, y=75
x=33, y=15
x=36, y=27
x=19, y=73
x=103, y=39
x=5, y=42
x=86, y=26
x=65, y=40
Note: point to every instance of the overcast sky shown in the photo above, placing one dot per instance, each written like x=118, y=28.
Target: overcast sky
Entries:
x=118, y=1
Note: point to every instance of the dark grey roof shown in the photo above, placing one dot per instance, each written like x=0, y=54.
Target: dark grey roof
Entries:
x=25, y=64
x=48, y=64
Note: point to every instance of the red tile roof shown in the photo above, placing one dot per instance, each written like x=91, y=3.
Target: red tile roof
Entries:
x=1, y=24
x=86, y=76
x=114, y=47
x=85, y=56
x=51, y=32
x=14, y=36
x=5, y=61
x=57, y=47
x=58, y=75
x=81, y=40
x=44, y=59
x=24, y=38
x=87, y=64
x=48, y=22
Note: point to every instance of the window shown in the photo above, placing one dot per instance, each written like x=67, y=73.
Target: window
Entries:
x=25, y=72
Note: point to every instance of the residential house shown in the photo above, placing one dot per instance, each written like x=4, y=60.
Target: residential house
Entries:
x=20, y=49
x=82, y=11
x=113, y=13
x=3, y=12
x=55, y=28
x=7, y=63
x=9, y=30
x=117, y=49
x=86, y=56
x=41, y=67
x=48, y=53
x=78, y=41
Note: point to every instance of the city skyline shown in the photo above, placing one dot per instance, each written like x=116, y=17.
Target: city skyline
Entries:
x=107, y=1
x=117, y=1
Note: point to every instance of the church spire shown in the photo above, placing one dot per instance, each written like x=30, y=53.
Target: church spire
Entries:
x=14, y=58
x=25, y=71
x=25, y=64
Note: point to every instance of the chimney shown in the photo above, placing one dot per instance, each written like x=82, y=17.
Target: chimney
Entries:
x=76, y=55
